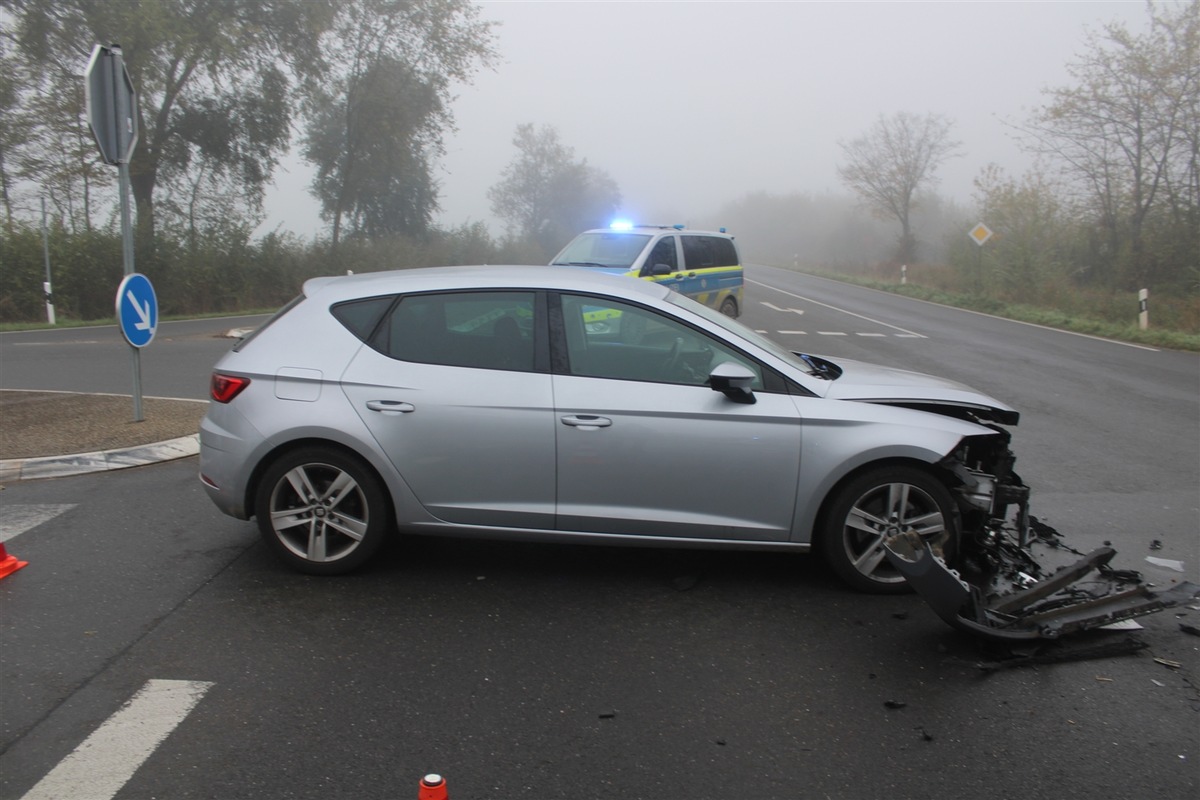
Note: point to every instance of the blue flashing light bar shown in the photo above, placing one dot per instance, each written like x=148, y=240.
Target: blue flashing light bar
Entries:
x=621, y=225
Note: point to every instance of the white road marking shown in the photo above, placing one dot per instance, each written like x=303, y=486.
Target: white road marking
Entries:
x=107, y=759
x=871, y=334
x=831, y=333
x=911, y=334
x=793, y=333
x=774, y=307
x=16, y=519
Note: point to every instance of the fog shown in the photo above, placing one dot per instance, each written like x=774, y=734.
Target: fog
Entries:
x=690, y=105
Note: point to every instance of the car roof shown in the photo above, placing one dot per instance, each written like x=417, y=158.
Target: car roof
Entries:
x=654, y=229
x=425, y=279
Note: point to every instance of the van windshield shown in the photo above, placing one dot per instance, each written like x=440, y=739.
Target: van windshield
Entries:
x=605, y=249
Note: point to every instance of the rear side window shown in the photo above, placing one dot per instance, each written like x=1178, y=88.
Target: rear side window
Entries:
x=362, y=316
x=486, y=330
x=700, y=252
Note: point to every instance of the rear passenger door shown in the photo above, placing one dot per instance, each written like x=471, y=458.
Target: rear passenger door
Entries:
x=455, y=388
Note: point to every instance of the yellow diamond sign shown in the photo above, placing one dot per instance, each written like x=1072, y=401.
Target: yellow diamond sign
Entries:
x=980, y=233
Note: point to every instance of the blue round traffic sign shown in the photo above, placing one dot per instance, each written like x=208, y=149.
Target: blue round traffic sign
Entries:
x=137, y=309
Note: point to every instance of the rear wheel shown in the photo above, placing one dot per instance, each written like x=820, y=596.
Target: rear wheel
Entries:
x=729, y=307
x=322, y=511
x=878, y=504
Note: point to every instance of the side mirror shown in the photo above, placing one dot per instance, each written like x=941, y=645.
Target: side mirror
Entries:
x=734, y=381
x=660, y=269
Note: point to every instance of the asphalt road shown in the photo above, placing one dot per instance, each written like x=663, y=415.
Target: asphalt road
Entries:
x=528, y=671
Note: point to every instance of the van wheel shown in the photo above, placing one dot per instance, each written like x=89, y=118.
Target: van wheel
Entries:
x=729, y=307
x=323, y=512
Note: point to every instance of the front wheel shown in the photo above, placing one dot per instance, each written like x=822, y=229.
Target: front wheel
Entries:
x=322, y=512
x=881, y=503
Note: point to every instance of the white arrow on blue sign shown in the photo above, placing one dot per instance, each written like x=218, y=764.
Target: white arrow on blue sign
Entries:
x=137, y=309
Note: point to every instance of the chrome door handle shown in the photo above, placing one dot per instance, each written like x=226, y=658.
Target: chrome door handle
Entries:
x=391, y=406
x=586, y=421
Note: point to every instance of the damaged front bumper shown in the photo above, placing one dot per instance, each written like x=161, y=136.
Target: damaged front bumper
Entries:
x=1069, y=600
x=1000, y=589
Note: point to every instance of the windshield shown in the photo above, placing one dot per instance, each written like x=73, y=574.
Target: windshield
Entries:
x=608, y=249
x=800, y=362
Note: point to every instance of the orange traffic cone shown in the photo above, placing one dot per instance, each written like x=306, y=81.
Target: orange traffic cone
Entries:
x=9, y=564
x=433, y=787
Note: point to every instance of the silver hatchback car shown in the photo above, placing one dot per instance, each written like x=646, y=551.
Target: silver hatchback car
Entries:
x=546, y=404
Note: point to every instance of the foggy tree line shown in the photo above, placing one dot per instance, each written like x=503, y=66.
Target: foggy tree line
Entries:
x=363, y=90
x=1115, y=199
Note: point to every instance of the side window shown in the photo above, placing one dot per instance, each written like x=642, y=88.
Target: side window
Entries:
x=361, y=316
x=700, y=252
x=725, y=254
x=610, y=339
x=487, y=330
x=663, y=253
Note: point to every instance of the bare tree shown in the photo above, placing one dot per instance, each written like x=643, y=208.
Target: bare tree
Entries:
x=1127, y=133
x=887, y=166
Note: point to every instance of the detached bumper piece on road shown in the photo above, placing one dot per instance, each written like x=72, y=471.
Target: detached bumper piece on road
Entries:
x=1016, y=600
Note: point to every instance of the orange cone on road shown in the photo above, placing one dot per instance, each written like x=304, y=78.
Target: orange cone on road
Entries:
x=433, y=787
x=9, y=564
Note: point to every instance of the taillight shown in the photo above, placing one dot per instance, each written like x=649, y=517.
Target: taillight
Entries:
x=224, y=388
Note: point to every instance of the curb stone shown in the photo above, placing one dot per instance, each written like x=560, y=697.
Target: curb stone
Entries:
x=18, y=469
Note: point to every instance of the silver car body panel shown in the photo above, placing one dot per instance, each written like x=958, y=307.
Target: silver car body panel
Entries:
x=480, y=447
x=476, y=446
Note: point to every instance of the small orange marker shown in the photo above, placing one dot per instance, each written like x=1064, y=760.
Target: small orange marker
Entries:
x=433, y=787
x=9, y=564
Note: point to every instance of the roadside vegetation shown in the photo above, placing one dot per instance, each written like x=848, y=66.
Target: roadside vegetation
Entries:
x=1112, y=208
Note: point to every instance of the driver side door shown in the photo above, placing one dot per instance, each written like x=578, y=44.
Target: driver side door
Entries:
x=645, y=447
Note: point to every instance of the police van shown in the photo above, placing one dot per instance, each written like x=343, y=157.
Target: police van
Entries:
x=703, y=265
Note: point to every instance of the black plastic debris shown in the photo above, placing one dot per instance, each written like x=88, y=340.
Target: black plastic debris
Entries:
x=1007, y=594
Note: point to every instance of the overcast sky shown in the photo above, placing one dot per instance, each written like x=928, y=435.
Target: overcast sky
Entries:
x=691, y=104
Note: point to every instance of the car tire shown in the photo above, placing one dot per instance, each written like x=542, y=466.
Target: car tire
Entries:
x=322, y=511
x=876, y=504
x=729, y=307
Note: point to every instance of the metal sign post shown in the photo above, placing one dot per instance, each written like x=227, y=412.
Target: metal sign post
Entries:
x=46, y=289
x=112, y=113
